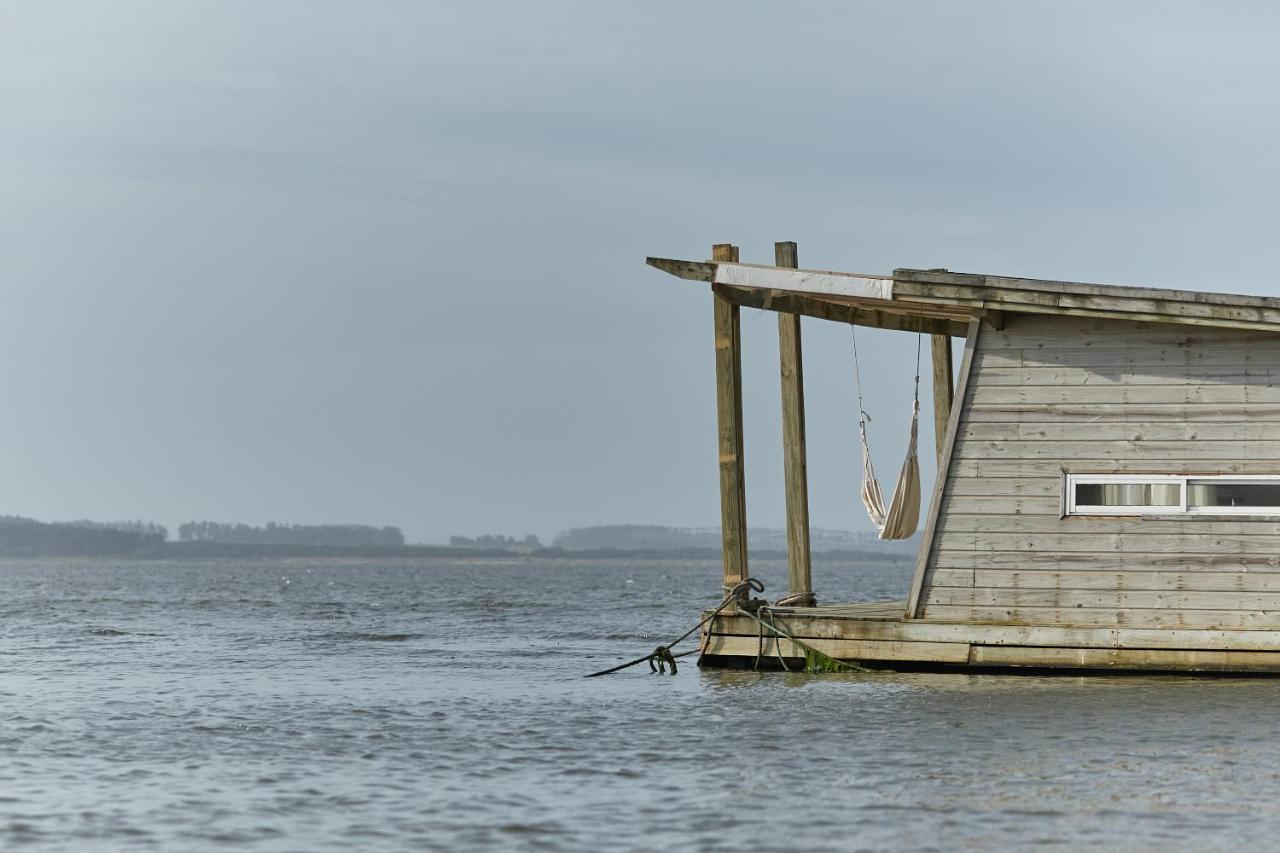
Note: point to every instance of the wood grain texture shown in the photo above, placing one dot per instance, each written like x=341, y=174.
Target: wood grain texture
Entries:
x=1044, y=468
x=994, y=296
x=946, y=277
x=794, y=455
x=1237, y=431
x=1068, y=561
x=1126, y=659
x=1000, y=506
x=747, y=648
x=1128, y=580
x=1049, y=395
x=1124, y=413
x=1089, y=301
x=1124, y=599
x=793, y=280
x=945, y=462
x=943, y=390
x=1137, y=358
x=1109, y=617
x=997, y=518
x=1177, y=374
x=1137, y=451
x=960, y=487
x=1119, y=394
x=728, y=351
x=988, y=631
x=899, y=317
x=850, y=650
x=1191, y=542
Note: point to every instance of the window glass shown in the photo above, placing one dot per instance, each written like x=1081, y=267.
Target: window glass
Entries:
x=1129, y=494
x=1211, y=493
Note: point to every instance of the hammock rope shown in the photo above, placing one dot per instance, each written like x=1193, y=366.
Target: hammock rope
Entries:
x=901, y=517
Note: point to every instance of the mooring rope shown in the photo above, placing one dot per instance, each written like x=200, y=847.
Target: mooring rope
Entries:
x=660, y=657
x=827, y=660
x=777, y=647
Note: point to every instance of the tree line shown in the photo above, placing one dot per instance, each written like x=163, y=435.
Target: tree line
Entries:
x=24, y=537
x=142, y=528
x=351, y=535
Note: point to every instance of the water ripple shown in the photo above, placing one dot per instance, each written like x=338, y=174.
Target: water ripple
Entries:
x=441, y=705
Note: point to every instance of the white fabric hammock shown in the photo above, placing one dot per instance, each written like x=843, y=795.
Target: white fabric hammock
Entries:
x=901, y=518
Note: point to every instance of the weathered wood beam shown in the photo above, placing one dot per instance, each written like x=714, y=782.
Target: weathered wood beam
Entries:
x=984, y=307
x=794, y=460
x=688, y=270
x=994, y=294
x=805, y=281
x=1146, y=305
x=942, y=390
x=1049, y=286
x=747, y=647
x=807, y=292
x=779, y=278
x=840, y=313
x=733, y=511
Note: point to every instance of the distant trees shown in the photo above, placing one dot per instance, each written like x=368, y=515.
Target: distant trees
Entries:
x=497, y=541
x=142, y=528
x=351, y=535
x=27, y=537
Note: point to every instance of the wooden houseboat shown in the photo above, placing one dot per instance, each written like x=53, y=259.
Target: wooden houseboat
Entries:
x=1108, y=489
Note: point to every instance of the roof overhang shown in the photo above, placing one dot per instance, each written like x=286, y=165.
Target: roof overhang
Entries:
x=943, y=302
x=862, y=300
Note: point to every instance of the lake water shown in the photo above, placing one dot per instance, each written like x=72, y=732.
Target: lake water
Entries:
x=364, y=706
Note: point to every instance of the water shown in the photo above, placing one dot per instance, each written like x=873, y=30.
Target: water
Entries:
x=338, y=706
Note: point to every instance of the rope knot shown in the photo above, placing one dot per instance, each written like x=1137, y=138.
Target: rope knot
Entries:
x=662, y=655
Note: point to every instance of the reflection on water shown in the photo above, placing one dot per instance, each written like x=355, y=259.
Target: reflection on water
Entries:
x=313, y=706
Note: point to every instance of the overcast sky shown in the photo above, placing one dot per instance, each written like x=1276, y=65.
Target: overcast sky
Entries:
x=384, y=263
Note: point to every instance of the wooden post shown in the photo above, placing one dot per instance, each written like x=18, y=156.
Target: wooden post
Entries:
x=733, y=510
x=942, y=390
x=795, y=466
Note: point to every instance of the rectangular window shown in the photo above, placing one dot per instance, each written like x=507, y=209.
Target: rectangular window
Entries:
x=1108, y=494
x=1128, y=494
x=1233, y=494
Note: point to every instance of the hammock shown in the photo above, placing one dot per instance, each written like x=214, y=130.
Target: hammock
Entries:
x=900, y=519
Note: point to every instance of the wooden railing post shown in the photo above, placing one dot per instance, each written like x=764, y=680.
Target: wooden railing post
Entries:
x=795, y=465
x=943, y=377
x=733, y=510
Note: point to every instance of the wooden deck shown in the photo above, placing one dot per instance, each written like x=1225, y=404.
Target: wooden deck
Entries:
x=877, y=635
x=877, y=611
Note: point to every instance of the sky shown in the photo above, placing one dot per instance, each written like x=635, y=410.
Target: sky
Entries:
x=384, y=263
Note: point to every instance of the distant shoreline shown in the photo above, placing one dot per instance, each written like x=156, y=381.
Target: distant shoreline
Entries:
x=179, y=551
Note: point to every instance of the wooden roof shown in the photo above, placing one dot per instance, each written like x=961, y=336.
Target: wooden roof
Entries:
x=943, y=302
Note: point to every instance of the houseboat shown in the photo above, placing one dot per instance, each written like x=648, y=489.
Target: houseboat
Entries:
x=1108, y=489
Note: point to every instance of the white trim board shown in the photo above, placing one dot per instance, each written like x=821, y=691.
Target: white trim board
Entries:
x=1182, y=508
x=803, y=281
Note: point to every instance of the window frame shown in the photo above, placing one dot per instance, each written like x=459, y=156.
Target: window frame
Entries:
x=1182, y=508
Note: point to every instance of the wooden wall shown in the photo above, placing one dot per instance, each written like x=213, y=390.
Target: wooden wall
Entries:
x=1053, y=394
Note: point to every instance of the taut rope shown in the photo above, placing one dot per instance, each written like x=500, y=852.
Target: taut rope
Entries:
x=662, y=656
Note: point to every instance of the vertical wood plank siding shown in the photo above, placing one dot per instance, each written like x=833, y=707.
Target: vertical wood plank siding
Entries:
x=1050, y=395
